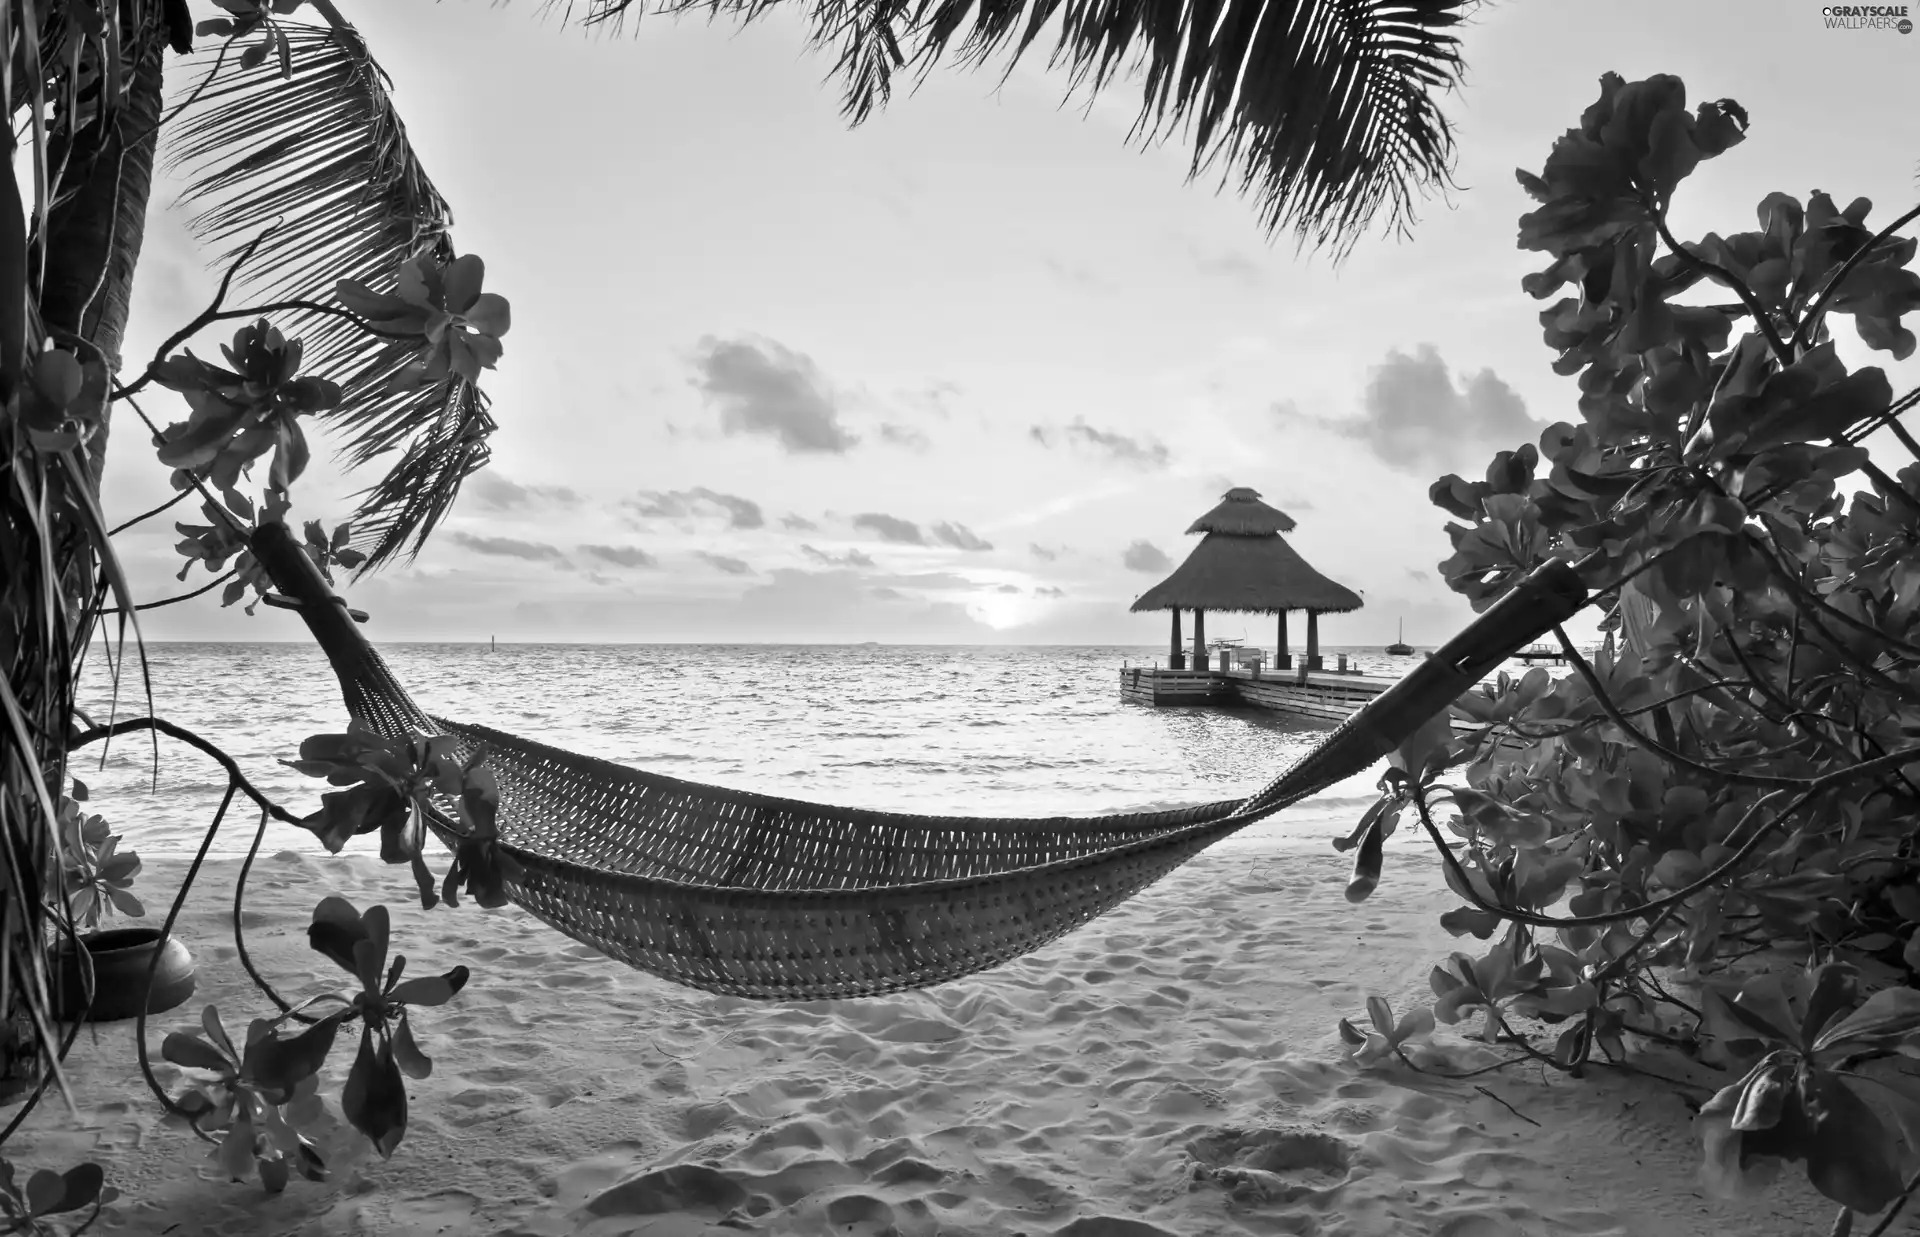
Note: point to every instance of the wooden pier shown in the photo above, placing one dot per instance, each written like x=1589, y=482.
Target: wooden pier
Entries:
x=1323, y=695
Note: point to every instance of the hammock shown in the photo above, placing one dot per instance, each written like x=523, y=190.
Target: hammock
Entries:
x=752, y=895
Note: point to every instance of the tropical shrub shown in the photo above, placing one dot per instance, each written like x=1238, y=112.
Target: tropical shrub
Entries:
x=1724, y=799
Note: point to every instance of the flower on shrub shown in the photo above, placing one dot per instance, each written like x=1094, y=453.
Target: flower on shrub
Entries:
x=240, y=414
x=249, y=16
x=255, y=1101
x=374, y=1100
x=441, y=302
x=1805, y=1099
x=1386, y=1038
x=62, y=400
x=392, y=784
x=96, y=874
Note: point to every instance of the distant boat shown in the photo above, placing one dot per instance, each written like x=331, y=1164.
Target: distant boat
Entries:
x=1400, y=648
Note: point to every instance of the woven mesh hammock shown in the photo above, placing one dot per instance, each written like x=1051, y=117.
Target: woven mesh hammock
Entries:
x=752, y=895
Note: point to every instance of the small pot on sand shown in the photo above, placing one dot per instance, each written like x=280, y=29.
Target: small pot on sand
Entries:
x=122, y=960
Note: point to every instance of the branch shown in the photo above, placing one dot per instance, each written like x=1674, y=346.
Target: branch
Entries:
x=148, y=515
x=1643, y=911
x=239, y=779
x=1899, y=1204
x=1761, y=318
x=1906, y=439
x=216, y=582
x=1808, y=323
x=1653, y=745
x=205, y=316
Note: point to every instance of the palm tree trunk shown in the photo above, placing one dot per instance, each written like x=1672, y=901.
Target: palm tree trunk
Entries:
x=92, y=243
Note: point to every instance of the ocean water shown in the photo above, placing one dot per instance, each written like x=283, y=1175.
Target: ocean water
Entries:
x=951, y=730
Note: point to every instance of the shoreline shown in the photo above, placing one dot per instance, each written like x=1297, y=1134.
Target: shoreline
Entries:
x=1172, y=1068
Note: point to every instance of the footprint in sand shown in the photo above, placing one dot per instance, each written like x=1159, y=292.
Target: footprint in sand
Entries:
x=1272, y=1164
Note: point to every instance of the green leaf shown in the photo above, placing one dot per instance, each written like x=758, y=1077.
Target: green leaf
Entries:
x=336, y=931
x=279, y=1063
x=406, y=1054
x=1849, y=1157
x=370, y=952
x=374, y=1100
x=50, y=1193
x=1887, y=1016
x=1367, y=863
x=192, y=1052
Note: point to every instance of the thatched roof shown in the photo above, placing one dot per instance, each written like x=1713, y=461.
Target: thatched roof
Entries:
x=1244, y=565
x=1243, y=514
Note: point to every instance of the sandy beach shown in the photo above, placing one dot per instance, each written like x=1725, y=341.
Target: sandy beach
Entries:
x=1172, y=1069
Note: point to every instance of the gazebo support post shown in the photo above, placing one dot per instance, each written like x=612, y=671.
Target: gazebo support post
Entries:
x=1199, y=639
x=1282, y=656
x=1174, y=659
x=1313, y=640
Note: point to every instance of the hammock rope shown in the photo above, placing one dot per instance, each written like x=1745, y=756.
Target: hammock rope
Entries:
x=758, y=896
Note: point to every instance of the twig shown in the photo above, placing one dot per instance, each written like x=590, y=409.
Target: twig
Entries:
x=1906, y=438
x=1893, y=1212
x=166, y=930
x=1832, y=287
x=1653, y=745
x=1761, y=318
x=186, y=736
x=1509, y=1107
x=208, y=587
x=1472, y=1073
x=148, y=515
x=205, y=316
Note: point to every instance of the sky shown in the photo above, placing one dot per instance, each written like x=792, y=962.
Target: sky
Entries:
x=965, y=373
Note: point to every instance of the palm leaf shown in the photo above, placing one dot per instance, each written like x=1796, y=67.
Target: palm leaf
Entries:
x=325, y=155
x=1325, y=111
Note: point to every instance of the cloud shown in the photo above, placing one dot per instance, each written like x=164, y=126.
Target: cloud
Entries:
x=621, y=555
x=498, y=492
x=509, y=547
x=959, y=536
x=1419, y=575
x=1234, y=266
x=1078, y=276
x=1041, y=552
x=766, y=390
x=798, y=523
x=884, y=593
x=1141, y=453
x=1008, y=588
x=1417, y=419
x=929, y=581
x=852, y=558
x=904, y=436
x=937, y=397
x=684, y=504
x=721, y=562
x=890, y=528
x=1049, y=591
x=1144, y=556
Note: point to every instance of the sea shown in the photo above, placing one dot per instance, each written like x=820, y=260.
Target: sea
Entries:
x=945, y=730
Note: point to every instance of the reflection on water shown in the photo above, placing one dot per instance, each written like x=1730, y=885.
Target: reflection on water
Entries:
x=948, y=730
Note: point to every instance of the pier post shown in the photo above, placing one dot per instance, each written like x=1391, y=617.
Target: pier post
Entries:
x=1174, y=661
x=1313, y=640
x=1282, y=656
x=1199, y=639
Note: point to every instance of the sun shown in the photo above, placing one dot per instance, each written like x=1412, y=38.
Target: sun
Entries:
x=1001, y=611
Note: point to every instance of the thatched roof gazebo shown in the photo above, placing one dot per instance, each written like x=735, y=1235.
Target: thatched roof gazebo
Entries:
x=1243, y=564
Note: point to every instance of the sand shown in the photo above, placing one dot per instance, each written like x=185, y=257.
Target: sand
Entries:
x=1173, y=1068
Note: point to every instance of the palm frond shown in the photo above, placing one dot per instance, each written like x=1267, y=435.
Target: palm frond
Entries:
x=1325, y=111
x=325, y=156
